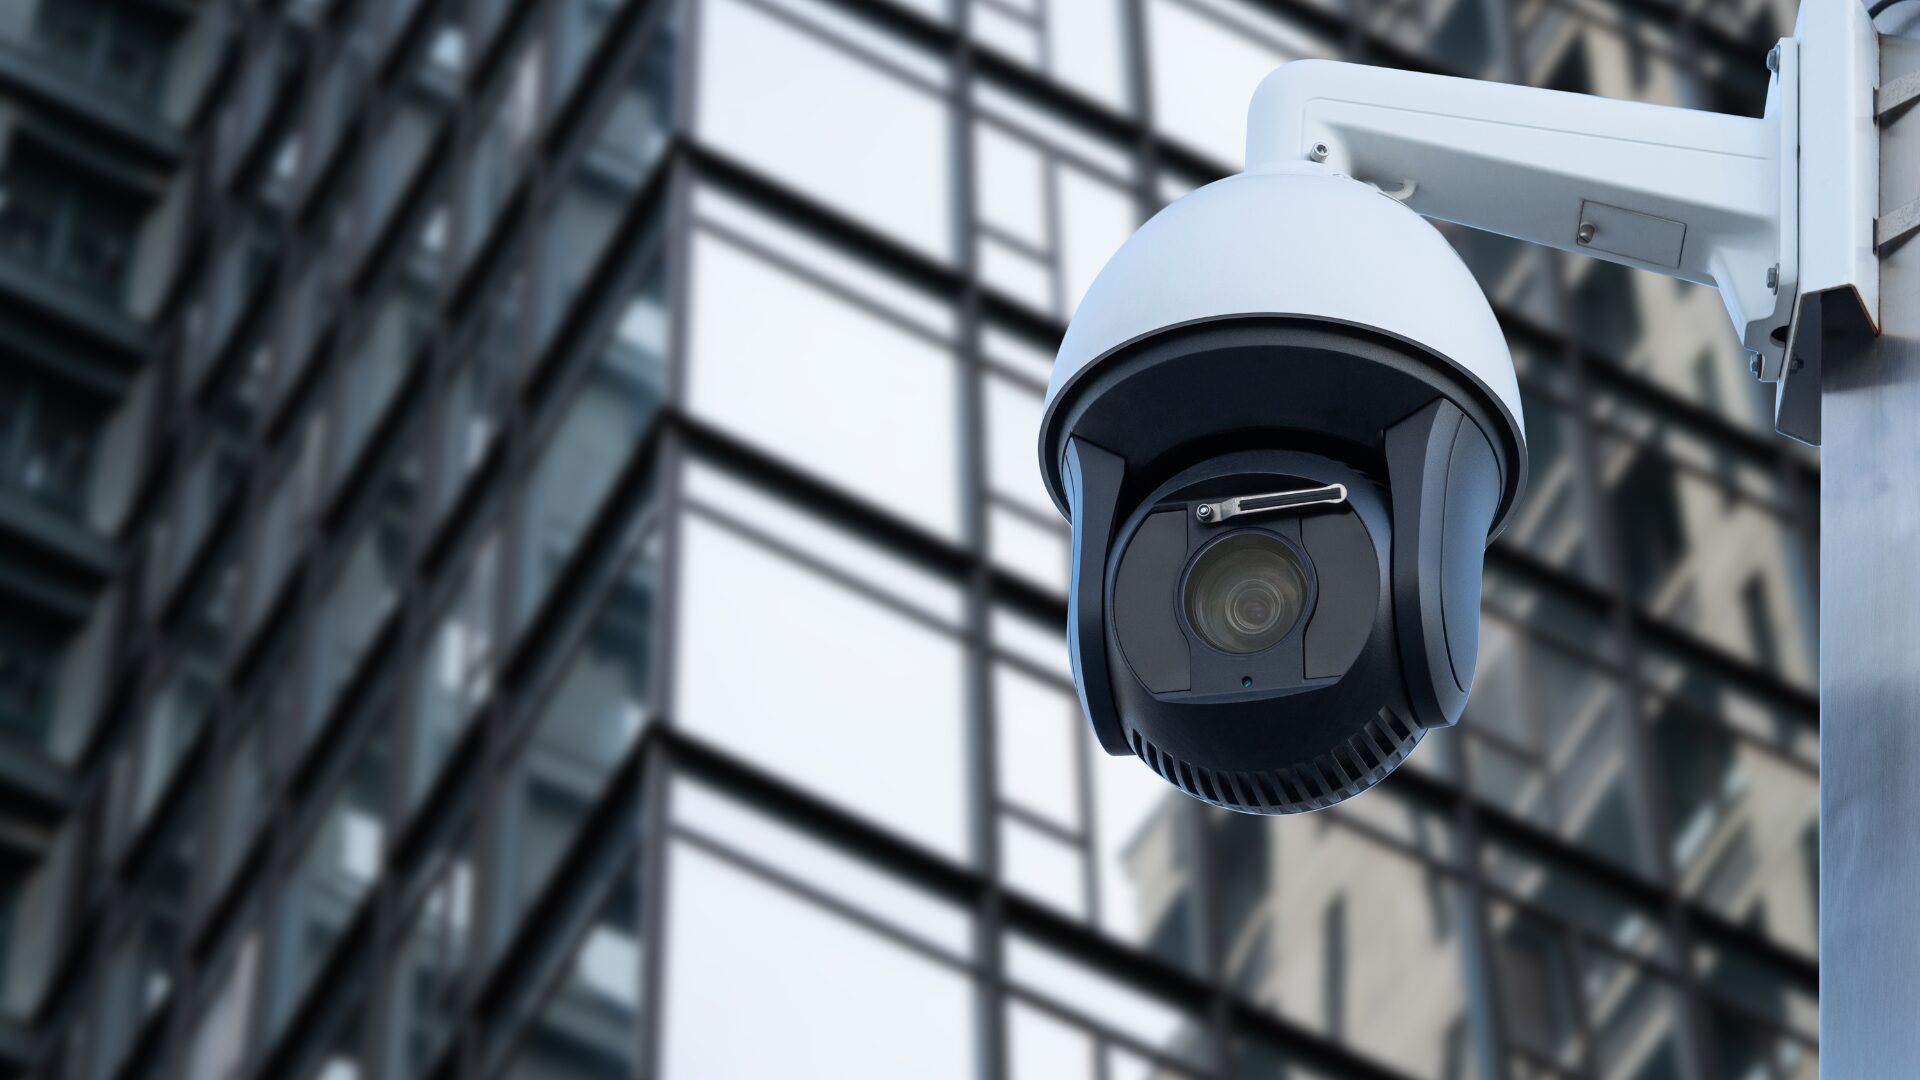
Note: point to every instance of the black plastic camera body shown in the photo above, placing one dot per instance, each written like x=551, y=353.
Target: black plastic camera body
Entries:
x=1287, y=651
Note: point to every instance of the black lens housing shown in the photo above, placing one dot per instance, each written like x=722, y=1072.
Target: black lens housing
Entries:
x=1385, y=650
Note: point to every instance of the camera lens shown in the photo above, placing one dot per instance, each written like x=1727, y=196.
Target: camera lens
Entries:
x=1245, y=592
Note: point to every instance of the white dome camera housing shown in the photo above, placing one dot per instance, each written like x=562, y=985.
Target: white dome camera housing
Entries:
x=1284, y=424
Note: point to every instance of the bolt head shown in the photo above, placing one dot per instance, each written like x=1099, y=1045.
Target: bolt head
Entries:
x=1205, y=511
x=1773, y=58
x=1319, y=152
x=1753, y=364
x=1585, y=233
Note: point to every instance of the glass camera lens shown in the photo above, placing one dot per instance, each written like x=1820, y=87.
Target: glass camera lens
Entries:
x=1245, y=593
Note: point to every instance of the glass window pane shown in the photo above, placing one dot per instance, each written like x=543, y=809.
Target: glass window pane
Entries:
x=458, y=676
x=1096, y=217
x=219, y=1041
x=582, y=734
x=365, y=590
x=1552, y=524
x=333, y=1050
x=1592, y=908
x=1743, y=1048
x=28, y=693
x=1550, y=741
x=1715, y=563
x=473, y=409
x=375, y=367
x=1757, y=986
x=180, y=710
x=595, y=438
x=611, y=170
x=1012, y=175
x=1041, y=1046
x=140, y=975
x=824, y=132
x=407, y=126
x=243, y=800
x=1037, y=736
x=1035, y=550
x=1086, y=43
x=278, y=532
x=338, y=867
x=785, y=848
x=1346, y=937
x=1746, y=826
x=828, y=260
x=502, y=146
x=589, y=1027
x=1205, y=59
x=426, y=988
x=1013, y=416
x=1745, y=705
x=1100, y=998
x=891, y=387
x=732, y=497
x=1639, y=1021
x=775, y=689
x=1045, y=866
x=1538, y=986
x=581, y=26
x=821, y=983
x=1140, y=829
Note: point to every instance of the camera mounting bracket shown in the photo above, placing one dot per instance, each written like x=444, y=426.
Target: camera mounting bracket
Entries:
x=1776, y=213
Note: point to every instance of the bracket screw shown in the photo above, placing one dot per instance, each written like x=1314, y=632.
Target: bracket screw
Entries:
x=1773, y=58
x=1585, y=233
x=1794, y=364
x=1753, y=364
x=1319, y=152
x=1205, y=511
x=1773, y=278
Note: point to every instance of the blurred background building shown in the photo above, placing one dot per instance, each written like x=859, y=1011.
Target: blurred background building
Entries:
x=521, y=556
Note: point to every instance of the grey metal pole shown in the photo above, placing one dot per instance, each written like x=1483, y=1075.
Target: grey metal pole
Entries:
x=1870, y=647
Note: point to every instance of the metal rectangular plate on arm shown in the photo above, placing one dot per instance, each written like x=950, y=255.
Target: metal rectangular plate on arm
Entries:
x=1632, y=234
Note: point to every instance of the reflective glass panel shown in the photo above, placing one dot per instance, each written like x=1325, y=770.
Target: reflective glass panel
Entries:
x=822, y=983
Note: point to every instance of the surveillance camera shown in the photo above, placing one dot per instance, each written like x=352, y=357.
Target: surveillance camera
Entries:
x=1284, y=425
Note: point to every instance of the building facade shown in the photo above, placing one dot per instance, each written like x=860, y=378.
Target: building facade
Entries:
x=521, y=557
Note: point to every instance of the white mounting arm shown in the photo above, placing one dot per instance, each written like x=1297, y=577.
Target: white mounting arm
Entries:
x=1700, y=196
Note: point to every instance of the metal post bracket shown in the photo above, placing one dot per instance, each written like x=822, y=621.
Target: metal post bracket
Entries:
x=1839, y=197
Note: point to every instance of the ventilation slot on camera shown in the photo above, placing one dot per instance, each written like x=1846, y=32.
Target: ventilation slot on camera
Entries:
x=1362, y=761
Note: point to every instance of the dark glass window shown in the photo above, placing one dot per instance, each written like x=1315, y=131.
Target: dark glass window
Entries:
x=120, y=48
x=58, y=219
x=47, y=441
x=428, y=977
x=596, y=435
x=585, y=1031
x=1536, y=982
x=1647, y=505
x=336, y=870
x=26, y=684
x=140, y=975
x=583, y=731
